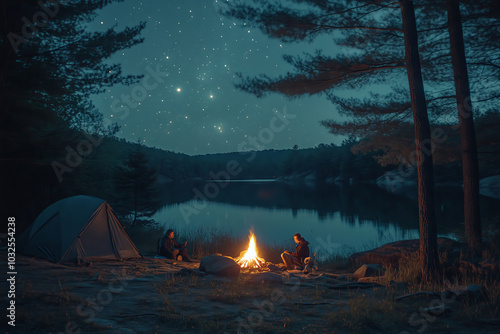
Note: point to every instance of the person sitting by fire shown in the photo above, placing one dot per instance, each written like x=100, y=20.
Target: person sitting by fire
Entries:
x=296, y=259
x=173, y=250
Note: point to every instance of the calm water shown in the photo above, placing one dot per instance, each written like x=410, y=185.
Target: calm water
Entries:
x=333, y=218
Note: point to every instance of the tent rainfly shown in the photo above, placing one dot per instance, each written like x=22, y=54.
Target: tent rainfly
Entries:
x=77, y=228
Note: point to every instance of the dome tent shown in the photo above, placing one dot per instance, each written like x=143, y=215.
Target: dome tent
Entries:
x=77, y=228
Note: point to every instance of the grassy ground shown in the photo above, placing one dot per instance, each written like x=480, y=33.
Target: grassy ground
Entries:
x=192, y=304
x=159, y=296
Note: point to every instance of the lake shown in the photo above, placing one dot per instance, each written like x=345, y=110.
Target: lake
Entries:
x=335, y=219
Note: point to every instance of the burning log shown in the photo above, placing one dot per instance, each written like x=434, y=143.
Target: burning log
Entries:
x=249, y=258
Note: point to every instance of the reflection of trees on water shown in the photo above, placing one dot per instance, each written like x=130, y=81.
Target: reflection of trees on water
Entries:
x=356, y=204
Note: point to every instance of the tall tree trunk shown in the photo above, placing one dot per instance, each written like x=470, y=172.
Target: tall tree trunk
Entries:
x=470, y=169
x=426, y=214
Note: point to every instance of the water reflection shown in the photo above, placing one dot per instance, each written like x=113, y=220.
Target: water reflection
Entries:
x=331, y=217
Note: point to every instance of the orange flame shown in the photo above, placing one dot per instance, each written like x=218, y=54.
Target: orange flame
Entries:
x=249, y=258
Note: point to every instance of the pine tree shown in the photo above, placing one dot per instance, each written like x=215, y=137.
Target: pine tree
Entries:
x=426, y=214
x=48, y=71
x=470, y=165
x=134, y=191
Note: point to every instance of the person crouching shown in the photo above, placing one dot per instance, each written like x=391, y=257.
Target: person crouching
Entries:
x=295, y=260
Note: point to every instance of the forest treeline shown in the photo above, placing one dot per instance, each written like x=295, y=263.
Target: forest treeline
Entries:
x=353, y=160
x=100, y=172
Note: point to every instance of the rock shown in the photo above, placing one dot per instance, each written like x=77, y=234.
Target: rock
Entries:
x=475, y=292
x=471, y=293
x=220, y=266
x=342, y=278
x=273, y=267
x=475, y=289
x=266, y=278
x=368, y=270
x=490, y=186
x=390, y=254
x=393, y=182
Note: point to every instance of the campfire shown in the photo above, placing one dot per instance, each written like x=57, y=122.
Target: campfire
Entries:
x=249, y=258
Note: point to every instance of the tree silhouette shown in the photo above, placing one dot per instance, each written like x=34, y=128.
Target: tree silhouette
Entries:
x=134, y=191
x=427, y=216
x=470, y=165
x=48, y=71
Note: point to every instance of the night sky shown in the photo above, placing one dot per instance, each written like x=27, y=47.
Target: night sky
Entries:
x=194, y=108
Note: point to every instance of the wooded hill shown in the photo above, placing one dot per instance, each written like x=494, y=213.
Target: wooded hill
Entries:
x=98, y=173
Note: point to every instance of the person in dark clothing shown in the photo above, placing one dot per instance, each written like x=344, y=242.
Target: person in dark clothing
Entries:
x=296, y=259
x=173, y=250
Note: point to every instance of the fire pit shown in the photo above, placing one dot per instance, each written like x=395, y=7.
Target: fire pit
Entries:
x=249, y=259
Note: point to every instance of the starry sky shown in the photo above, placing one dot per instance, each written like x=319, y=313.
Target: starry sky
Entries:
x=187, y=102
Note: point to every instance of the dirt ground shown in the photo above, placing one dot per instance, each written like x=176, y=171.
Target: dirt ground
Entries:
x=162, y=296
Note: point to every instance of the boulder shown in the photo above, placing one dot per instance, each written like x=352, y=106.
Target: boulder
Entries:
x=391, y=253
x=475, y=292
x=220, y=266
x=368, y=270
x=490, y=186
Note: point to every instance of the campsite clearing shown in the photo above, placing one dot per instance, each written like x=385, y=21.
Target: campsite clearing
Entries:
x=162, y=296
